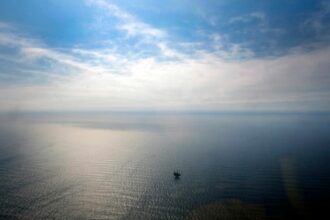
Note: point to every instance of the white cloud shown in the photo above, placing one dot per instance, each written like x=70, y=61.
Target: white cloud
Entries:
x=259, y=16
x=134, y=27
x=260, y=20
x=83, y=79
x=128, y=23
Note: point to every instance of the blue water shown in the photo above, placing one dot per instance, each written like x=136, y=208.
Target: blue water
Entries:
x=119, y=166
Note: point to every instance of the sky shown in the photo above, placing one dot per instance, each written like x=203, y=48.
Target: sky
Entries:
x=178, y=55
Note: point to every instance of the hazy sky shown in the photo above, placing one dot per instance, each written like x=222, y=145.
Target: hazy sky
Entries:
x=164, y=55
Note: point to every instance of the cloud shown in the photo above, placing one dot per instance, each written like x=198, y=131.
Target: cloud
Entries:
x=318, y=22
x=110, y=79
x=248, y=18
x=294, y=81
x=4, y=25
x=133, y=27
x=260, y=20
x=128, y=23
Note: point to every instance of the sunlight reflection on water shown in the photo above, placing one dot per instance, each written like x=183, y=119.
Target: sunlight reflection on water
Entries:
x=121, y=166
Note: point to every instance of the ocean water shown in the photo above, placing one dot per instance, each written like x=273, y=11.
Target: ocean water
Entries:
x=120, y=166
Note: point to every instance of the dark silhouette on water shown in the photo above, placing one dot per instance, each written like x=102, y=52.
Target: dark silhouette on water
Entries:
x=177, y=174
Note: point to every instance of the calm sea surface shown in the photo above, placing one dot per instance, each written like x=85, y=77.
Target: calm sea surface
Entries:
x=119, y=166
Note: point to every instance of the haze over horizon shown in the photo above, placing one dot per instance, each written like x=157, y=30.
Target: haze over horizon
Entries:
x=128, y=55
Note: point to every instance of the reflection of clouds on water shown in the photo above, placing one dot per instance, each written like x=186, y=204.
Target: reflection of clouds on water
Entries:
x=230, y=209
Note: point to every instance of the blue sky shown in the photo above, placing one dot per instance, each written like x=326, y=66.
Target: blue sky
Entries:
x=164, y=55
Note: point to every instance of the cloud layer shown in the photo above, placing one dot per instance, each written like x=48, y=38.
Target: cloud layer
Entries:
x=38, y=77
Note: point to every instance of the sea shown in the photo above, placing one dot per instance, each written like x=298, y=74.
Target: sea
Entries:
x=119, y=165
